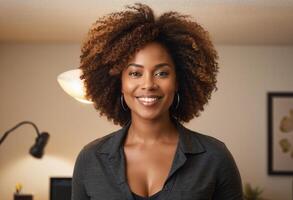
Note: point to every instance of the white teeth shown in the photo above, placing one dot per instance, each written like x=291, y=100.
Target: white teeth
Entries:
x=148, y=101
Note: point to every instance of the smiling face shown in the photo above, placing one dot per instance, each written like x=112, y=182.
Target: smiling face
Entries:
x=149, y=82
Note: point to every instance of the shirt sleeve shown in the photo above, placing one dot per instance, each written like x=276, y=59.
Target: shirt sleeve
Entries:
x=228, y=185
x=78, y=187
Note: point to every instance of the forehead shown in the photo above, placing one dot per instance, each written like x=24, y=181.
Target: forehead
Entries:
x=151, y=54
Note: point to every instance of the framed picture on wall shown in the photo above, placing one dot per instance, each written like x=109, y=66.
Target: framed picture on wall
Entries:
x=280, y=133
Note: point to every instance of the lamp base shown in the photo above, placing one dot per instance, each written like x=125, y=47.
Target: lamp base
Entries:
x=23, y=197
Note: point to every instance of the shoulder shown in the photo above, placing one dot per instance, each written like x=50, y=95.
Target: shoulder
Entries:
x=209, y=142
x=216, y=151
x=219, y=159
x=98, y=144
x=212, y=146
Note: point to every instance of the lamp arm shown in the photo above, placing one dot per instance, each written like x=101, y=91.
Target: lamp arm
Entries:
x=16, y=126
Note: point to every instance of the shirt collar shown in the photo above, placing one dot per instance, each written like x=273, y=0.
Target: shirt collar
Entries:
x=188, y=142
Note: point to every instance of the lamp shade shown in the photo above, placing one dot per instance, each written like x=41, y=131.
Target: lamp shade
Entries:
x=71, y=83
x=37, y=150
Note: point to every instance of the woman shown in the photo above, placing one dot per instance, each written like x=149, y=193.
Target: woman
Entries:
x=149, y=75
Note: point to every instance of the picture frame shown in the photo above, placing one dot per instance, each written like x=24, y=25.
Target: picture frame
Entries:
x=280, y=133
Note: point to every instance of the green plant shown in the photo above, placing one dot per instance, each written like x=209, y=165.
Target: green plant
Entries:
x=252, y=193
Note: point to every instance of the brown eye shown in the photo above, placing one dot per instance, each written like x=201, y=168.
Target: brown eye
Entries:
x=134, y=74
x=162, y=74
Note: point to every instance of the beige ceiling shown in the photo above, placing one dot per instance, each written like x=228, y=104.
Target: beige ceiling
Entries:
x=239, y=22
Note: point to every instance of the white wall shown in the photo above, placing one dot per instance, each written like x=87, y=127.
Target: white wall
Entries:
x=236, y=114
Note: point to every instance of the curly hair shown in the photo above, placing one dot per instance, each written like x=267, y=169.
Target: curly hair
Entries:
x=114, y=39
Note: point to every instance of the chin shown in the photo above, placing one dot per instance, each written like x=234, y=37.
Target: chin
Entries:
x=151, y=116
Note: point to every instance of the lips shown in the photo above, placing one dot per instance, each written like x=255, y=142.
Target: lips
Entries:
x=149, y=100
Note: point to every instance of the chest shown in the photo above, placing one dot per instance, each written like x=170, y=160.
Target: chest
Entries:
x=147, y=168
x=192, y=179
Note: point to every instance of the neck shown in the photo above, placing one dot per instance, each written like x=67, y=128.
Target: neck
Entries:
x=151, y=131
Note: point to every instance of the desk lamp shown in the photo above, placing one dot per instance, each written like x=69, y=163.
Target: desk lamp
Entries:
x=37, y=150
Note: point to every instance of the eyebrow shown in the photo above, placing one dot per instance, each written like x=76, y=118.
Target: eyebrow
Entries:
x=156, y=66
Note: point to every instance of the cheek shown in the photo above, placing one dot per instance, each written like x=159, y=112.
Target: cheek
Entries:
x=127, y=86
x=169, y=87
x=123, y=82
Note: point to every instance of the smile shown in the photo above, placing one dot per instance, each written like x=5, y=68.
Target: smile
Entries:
x=148, y=101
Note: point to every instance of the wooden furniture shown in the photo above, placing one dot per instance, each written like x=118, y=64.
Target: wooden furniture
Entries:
x=23, y=197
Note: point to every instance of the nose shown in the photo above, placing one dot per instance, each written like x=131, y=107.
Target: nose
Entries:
x=149, y=82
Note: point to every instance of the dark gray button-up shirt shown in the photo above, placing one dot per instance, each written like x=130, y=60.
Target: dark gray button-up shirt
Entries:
x=202, y=169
